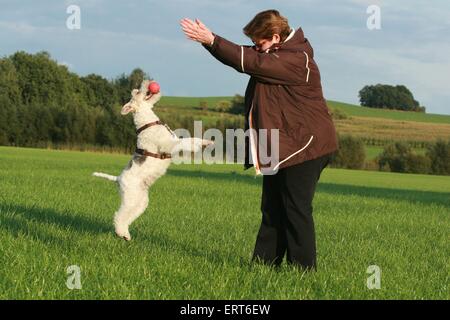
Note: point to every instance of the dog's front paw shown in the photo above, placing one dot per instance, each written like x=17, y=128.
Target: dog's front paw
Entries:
x=207, y=142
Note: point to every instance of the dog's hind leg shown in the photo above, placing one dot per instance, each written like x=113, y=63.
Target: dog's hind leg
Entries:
x=121, y=217
x=139, y=208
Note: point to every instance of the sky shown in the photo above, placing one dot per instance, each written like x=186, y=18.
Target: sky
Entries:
x=412, y=47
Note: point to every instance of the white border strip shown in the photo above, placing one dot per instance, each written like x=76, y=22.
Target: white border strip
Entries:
x=279, y=163
x=242, y=59
x=307, y=66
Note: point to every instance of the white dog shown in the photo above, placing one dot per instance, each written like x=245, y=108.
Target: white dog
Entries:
x=155, y=145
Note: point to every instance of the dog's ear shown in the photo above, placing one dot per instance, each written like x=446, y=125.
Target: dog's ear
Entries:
x=134, y=92
x=126, y=109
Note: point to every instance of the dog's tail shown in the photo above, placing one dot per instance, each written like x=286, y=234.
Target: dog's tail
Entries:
x=105, y=176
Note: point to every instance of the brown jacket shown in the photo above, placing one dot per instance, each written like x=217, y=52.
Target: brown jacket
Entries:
x=285, y=93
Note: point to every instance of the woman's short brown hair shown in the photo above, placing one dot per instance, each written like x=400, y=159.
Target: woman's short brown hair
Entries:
x=267, y=23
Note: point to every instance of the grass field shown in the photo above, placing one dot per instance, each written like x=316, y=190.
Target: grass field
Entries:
x=196, y=238
x=386, y=129
x=372, y=151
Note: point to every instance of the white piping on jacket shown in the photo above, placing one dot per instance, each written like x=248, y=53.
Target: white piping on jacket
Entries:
x=253, y=144
x=307, y=66
x=242, y=59
x=290, y=35
x=279, y=163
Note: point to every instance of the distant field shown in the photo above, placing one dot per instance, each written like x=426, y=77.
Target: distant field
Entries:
x=352, y=110
x=388, y=129
x=375, y=126
x=373, y=151
x=190, y=102
x=196, y=237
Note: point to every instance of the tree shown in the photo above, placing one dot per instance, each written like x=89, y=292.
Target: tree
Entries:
x=10, y=100
x=124, y=84
x=238, y=105
x=439, y=154
x=99, y=92
x=389, y=97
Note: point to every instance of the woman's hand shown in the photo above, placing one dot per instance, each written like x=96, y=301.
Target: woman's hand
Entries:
x=197, y=31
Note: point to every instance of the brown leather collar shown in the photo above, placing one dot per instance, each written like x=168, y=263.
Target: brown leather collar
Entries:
x=146, y=153
x=148, y=125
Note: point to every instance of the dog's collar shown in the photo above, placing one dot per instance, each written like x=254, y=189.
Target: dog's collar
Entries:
x=148, y=125
x=146, y=153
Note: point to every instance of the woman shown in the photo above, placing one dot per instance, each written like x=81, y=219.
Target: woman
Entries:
x=284, y=94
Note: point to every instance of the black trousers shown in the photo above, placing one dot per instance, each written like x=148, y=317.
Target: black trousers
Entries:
x=287, y=223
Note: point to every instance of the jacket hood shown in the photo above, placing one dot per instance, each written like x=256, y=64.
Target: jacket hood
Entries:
x=295, y=41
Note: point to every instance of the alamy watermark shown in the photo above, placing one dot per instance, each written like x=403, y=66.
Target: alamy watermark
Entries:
x=263, y=144
x=74, y=277
x=374, y=280
x=73, y=22
x=374, y=20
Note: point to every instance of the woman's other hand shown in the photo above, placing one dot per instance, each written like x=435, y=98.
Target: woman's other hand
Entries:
x=197, y=31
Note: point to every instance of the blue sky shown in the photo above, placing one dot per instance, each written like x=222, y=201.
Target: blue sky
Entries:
x=412, y=47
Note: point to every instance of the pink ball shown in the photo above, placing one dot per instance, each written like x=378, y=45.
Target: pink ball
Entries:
x=153, y=87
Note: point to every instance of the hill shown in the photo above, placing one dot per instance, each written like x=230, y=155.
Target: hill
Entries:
x=349, y=109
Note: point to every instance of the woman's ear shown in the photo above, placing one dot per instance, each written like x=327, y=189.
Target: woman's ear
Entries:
x=276, y=38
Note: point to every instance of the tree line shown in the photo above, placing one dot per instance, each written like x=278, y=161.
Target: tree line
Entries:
x=42, y=101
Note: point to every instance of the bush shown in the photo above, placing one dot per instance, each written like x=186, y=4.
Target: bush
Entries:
x=399, y=157
x=224, y=106
x=351, y=153
x=203, y=105
x=371, y=165
x=439, y=154
x=238, y=105
x=338, y=114
x=417, y=163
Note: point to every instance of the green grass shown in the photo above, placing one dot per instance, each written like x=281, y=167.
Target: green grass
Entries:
x=196, y=238
x=373, y=151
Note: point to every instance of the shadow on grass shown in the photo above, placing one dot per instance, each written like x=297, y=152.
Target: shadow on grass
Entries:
x=31, y=221
x=202, y=251
x=231, y=176
x=414, y=196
